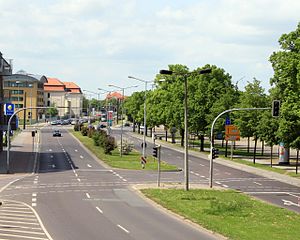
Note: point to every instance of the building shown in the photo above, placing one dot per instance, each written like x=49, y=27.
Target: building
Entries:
x=66, y=96
x=25, y=90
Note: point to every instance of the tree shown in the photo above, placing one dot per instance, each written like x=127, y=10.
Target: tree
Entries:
x=133, y=106
x=52, y=111
x=248, y=121
x=286, y=82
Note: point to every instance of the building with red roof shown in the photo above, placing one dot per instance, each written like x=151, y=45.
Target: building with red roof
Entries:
x=67, y=96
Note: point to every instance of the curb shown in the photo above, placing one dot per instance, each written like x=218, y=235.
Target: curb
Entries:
x=238, y=166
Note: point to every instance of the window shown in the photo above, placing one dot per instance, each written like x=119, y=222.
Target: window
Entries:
x=17, y=92
x=48, y=95
x=48, y=104
x=17, y=99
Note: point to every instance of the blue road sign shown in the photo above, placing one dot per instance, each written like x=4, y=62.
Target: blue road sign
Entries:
x=227, y=121
x=9, y=109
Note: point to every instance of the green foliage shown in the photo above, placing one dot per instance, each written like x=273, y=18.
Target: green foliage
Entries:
x=91, y=131
x=103, y=140
x=286, y=81
x=84, y=131
x=109, y=144
x=52, y=111
x=126, y=145
x=253, y=97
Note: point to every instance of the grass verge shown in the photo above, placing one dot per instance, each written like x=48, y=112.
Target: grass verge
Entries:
x=130, y=161
x=230, y=213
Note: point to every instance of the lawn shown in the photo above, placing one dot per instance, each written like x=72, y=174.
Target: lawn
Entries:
x=230, y=213
x=130, y=161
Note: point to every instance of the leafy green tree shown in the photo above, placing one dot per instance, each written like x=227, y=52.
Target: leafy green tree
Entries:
x=286, y=82
x=52, y=111
x=133, y=106
x=253, y=97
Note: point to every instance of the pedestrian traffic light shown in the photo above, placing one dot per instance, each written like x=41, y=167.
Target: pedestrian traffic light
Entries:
x=215, y=153
x=154, y=152
x=275, y=108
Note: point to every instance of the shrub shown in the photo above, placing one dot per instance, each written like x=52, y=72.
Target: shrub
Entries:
x=127, y=146
x=91, y=131
x=77, y=127
x=84, y=131
x=109, y=144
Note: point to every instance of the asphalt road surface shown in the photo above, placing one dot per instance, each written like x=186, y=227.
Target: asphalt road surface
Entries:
x=71, y=196
x=270, y=190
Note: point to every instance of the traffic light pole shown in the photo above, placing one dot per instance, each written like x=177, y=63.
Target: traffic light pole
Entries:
x=212, y=135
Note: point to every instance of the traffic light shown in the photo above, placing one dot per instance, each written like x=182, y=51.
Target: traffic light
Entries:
x=215, y=153
x=154, y=152
x=275, y=108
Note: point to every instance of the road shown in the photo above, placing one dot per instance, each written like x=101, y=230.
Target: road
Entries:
x=268, y=189
x=72, y=196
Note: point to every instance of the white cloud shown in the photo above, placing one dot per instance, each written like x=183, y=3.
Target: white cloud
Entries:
x=100, y=39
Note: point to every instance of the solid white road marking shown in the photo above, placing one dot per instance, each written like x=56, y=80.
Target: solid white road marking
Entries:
x=99, y=209
x=124, y=229
x=89, y=165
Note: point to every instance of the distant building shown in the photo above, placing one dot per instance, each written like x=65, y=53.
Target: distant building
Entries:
x=67, y=96
x=24, y=90
x=115, y=95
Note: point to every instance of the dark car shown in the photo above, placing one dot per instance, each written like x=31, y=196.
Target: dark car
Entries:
x=56, y=133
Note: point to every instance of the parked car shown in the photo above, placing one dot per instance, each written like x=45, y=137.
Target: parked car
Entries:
x=56, y=133
x=54, y=122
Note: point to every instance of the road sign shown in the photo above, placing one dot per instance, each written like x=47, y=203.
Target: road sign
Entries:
x=227, y=121
x=232, y=133
x=9, y=109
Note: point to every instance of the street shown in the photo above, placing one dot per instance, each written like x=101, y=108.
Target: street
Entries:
x=76, y=198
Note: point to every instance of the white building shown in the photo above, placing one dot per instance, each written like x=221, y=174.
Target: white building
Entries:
x=66, y=96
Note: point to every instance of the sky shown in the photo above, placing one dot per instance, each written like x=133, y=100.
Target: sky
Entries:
x=94, y=43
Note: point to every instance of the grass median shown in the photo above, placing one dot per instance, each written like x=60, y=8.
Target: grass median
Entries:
x=130, y=161
x=230, y=213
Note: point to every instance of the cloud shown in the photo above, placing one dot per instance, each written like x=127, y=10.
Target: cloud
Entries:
x=100, y=39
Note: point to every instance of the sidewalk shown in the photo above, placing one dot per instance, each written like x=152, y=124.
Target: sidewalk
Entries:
x=243, y=167
x=22, y=157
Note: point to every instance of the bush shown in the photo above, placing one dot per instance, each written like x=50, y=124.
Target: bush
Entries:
x=99, y=137
x=84, y=131
x=91, y=131
x=76, y=127
x=109, y=144
x=127, y=146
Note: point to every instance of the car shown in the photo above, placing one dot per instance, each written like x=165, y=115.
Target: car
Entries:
x=54, y=122
x=56, y=133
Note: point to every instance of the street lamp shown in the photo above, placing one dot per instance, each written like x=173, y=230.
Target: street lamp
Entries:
x=123, y=89
x=145, y=112
x=107, y=108
x=186, y=160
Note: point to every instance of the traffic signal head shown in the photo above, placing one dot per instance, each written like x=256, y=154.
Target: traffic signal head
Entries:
x=215, y=153
x=275, y=108
x=154, y=152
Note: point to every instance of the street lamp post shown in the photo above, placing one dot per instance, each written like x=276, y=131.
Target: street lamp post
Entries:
x=123, y=89
x=145, y=110
x=107, y=108
x=186, y=160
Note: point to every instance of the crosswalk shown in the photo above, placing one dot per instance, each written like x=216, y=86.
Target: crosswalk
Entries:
x=20, y=221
